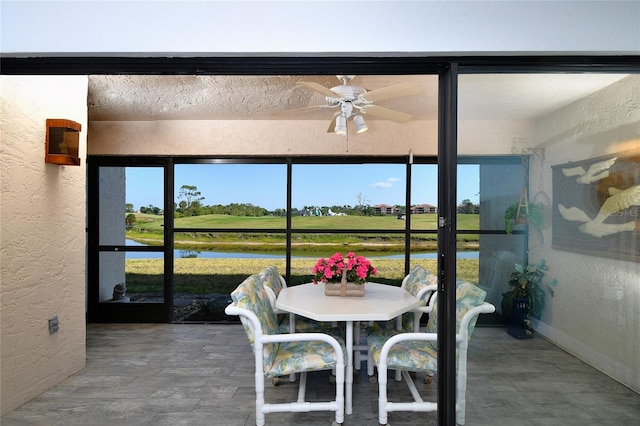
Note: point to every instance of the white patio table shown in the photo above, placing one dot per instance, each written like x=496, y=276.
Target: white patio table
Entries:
x=380, y=303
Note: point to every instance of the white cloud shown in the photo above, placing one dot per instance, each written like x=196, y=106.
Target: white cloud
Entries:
x=389, y=183
x=382, y=185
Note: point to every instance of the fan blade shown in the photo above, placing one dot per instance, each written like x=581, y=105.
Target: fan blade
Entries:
x=307, y=108
x=332, y=125
x=296, y=110
x=319, y=88
x=395, y=91
x=387, y=113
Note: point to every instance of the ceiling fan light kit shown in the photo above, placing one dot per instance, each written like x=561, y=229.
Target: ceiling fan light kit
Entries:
x=341, y=125
x=354, y=101
x=361, y=126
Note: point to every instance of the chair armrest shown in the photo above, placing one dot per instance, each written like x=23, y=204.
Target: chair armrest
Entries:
x=272, y=300
x=432, y=288
x=285, y=337
x=307, y=337
x=402, y=337
x=272, y=297
x=404, y=281
x=485, y=308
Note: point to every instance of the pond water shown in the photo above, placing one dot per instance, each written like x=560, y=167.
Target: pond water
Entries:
x=205, y=254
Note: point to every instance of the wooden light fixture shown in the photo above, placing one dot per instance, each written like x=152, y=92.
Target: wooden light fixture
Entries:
x=62, y=142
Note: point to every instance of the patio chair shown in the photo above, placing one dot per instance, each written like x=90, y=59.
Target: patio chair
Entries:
x=417, y=352
x=273, y=283
x=420, y=283
x=283, y=354
x=423, y=285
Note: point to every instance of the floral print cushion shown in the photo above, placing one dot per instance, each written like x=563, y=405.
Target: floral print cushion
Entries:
x=422, y=355
x=467, y=296
x=412, y=355
x=252, y=296
x=271, y=278
x=296, y=357
x=417, y=278
x=285, y=357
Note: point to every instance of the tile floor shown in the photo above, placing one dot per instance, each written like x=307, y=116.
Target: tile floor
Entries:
x=202, y=374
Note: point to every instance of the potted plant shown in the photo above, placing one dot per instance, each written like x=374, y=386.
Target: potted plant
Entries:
x=526, y=298
x=535, y=217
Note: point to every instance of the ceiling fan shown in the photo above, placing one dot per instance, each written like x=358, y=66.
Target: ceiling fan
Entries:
x=353, y=102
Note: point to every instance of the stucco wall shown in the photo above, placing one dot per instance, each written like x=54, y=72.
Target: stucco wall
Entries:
x=282, y=137
x=595, y=313
x=239, y=137
x=42, y=212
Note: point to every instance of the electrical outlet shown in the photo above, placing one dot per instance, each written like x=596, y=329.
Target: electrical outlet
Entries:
x=53, y=325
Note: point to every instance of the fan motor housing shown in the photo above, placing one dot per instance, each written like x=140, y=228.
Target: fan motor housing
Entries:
x=348, y=92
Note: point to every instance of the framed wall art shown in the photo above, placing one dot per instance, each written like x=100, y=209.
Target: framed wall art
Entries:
x=596, y=206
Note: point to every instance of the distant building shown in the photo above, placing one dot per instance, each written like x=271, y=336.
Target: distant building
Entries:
x=423, y=208
x=468, y=209
x=385, y=209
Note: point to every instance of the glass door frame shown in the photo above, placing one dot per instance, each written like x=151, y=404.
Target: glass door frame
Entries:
x=127, y=312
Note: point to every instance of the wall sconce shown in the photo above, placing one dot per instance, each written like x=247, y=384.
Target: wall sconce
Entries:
x=62, y=142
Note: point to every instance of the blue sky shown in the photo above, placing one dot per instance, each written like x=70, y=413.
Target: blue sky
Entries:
x=314, y=185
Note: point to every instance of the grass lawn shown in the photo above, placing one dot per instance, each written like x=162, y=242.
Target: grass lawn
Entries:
x=148, y=230
x=207, y=276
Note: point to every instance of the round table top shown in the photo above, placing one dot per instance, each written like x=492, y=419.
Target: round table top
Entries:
x=380, y=302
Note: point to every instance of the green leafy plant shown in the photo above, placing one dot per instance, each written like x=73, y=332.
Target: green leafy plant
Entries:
x=527, y=282
x=130, y=219
x=534, y=218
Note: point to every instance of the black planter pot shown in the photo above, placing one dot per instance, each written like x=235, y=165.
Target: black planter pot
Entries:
x=516, y=317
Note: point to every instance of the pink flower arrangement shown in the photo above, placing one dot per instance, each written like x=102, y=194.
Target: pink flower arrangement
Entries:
x=359, y=269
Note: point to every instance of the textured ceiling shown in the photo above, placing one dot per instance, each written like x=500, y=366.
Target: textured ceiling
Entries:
x=184, y=97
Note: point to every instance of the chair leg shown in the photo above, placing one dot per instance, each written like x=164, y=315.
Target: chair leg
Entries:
x=382, y=395
x=428, y=378
x=370, y=365
x=340, y=395
x=356, y=346
x=302, y=387
x=260, y=420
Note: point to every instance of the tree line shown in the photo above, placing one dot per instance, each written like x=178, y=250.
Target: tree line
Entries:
x=190, y=204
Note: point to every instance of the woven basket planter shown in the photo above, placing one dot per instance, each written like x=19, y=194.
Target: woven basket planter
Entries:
x=344, y=288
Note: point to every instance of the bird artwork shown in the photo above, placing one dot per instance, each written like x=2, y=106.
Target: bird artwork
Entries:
x=618, y=201
x=597, y=171
x=596, y=206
